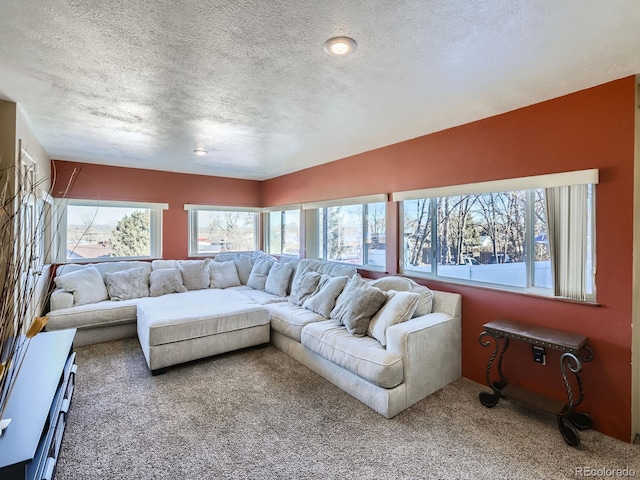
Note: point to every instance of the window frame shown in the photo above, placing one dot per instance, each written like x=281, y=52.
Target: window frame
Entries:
x=530, y=287
x=266, y=225
x=193, y=226
x=60, y=233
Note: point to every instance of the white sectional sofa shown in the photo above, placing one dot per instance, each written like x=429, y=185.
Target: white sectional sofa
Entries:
x=387, y=342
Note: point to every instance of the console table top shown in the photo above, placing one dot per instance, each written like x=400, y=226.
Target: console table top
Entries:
x=567, y=342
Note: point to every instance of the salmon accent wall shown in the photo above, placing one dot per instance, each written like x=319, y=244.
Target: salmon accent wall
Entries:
x=593, y=128
x=589, y=129
x=100, y=182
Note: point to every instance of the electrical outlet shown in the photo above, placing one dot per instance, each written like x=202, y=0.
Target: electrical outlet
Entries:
x=539, y=355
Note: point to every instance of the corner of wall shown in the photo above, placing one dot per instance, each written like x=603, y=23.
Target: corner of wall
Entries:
x=635, y=312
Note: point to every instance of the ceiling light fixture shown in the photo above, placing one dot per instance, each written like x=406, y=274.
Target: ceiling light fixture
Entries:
x=200, y=152
x=340, y=46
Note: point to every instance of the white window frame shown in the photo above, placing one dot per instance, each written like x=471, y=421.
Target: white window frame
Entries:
x=193, y=226
x=59, y=233
x=527, y=184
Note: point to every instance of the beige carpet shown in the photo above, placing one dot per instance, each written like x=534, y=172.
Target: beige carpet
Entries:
x=258, y=414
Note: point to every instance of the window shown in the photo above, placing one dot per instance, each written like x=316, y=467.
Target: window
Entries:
x=283, y=229
x=353, y=234
x=101, y=230
x=536, y=239
x=221, y=229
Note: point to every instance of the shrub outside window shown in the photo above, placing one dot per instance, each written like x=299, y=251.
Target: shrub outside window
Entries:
x=93, y=230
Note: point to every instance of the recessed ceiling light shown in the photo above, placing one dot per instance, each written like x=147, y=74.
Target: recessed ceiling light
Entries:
x=340, y=46
x=200, y=152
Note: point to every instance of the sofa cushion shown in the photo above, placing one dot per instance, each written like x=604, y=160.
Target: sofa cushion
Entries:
x=357, y=303
x=324, y=268
x=403, y=284
x=323, y=299
x=223, y=275
x=165, y=281
x=258, y=296
x=303, y=288
x=289, y=319
x=399, y=307
x=101, y=314
x=362, y=356
x=259, y=272
x=162, y=264
x=244, y=265
x=278, y=279
x=195, y=314
x=86, y=285
x=195, y=273
x=127, y=284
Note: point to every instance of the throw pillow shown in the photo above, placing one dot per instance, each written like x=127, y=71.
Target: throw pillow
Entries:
x=127, y=284
x=258, y=276
x=323, y=299
x=356, y=305
x=223, y=275
x=195, y=273
x=244, y=264
x=278, y=279
x=86, y=285
x=398, y=308
x=402, y=284
x=304, y=286
x=164, y=281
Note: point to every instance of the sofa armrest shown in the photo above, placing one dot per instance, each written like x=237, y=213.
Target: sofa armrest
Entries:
x=60, y=299
x=431, y=350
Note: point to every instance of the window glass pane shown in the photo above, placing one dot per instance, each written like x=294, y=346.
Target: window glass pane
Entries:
x=344, y=234
x=375, y=237
x=97, y=232
x=542, y=259
x=417, y=235
x=220, y=231
x=291, y=233
x=275, y=233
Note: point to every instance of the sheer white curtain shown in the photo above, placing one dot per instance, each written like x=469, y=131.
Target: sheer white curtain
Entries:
x=567, y=218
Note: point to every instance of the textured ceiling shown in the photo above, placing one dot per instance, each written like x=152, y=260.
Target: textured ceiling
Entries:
x=143, y=83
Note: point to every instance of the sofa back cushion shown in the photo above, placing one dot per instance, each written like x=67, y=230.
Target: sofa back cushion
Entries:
x=223, y=275
x=161, y=264
x=403, y=284
x=195, y=273
x=357, y=303
x=323, y=300
x=86, y=285
x=324, y=268
x=127, y=284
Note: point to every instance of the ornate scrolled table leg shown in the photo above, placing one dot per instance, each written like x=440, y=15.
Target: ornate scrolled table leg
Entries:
x=568, y=419
x=490, y=399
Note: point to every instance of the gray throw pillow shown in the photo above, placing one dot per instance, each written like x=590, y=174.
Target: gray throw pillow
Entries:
x=195, y=273
x=324, y=298
x=304, y=286
x=403, y=284
x=398, y=308
x=278, y=279
x=86, y=285
x=164, y=281
x=223, y=275
x=127, y=284
x=258, y=276
x=244, y=264
x=357, y=303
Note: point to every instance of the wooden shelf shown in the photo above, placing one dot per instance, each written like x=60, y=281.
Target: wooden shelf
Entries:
x=544, y=337
x=539, y=401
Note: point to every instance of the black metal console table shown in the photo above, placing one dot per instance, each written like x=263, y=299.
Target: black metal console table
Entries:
x=575, y=351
